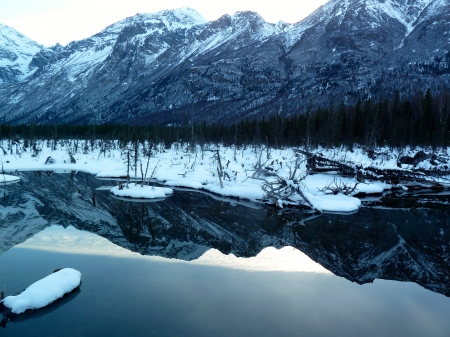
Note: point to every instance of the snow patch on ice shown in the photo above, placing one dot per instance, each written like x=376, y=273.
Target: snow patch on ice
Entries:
x=141, y=192
x=334, y=203
x=8, y=179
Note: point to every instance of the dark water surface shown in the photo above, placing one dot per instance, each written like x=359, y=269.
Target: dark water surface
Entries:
x=392, y=265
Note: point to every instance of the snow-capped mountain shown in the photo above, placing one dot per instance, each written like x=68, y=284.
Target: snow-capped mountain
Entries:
x=16, y=52
x=159, y=68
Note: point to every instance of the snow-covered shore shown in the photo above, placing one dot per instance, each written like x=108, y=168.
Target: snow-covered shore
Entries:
x=226, y=171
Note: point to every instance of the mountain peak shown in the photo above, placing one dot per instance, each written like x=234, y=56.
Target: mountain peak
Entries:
x=175, y=18
x=248, y=15
x=16, y=52
x=9, y=37
x=185, y=14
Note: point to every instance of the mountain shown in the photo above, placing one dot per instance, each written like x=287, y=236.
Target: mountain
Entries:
x=176, y=67
x=16, y=53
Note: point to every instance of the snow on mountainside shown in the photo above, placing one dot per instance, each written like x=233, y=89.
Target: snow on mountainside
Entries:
x=16, y=52
x=81, y=56
x=156, y=68
x=360, y=15
x=149, y=45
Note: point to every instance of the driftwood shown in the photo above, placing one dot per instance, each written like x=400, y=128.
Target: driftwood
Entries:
x=317, y=163
x=338, y=187
x=283, y=188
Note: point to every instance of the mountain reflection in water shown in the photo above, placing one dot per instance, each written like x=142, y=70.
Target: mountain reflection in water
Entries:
x=405, y=244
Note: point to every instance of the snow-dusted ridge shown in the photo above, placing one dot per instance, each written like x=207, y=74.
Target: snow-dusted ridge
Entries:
x=153, y=68
x=407, y=13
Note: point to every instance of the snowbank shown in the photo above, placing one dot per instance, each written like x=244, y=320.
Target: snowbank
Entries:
x=44, y=291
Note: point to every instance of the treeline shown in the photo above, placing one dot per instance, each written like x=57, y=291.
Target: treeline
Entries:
x=422, y=120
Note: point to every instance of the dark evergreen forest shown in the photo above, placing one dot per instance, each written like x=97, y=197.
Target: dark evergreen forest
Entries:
x=422, y=120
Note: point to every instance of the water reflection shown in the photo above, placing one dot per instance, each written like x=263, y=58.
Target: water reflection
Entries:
x=409, y=243
x=72, y=241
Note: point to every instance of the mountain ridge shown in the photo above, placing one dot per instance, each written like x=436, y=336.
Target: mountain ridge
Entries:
x=160, y=67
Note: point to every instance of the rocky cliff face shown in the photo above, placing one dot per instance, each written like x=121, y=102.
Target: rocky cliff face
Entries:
x=176, y=67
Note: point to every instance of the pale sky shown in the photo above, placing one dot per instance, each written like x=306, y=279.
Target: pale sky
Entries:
x=52, y=21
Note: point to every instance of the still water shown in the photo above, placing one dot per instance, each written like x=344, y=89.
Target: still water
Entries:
x=389, y=264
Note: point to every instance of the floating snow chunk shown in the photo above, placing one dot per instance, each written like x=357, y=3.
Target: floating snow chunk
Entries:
x=185, y=183
x=250, y=191
x=372, y=188
x=334, y=203
x=7, y=179
x=45, y=291
x=141, y=192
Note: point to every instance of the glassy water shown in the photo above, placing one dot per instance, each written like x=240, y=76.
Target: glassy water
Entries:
x=390, y=266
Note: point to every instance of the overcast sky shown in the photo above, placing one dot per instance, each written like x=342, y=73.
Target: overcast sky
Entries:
x=52, y=21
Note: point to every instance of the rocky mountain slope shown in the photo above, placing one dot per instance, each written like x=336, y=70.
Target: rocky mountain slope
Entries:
x=176, y=67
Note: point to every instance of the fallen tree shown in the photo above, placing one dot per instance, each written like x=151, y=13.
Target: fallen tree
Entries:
x=437, y=176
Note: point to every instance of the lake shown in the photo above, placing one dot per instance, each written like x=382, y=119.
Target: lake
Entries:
x=381, y=271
